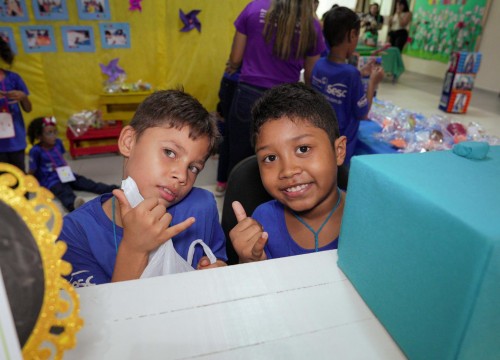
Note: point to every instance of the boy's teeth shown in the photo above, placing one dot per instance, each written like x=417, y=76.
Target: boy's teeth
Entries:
x=168, y=191
x=296, y=188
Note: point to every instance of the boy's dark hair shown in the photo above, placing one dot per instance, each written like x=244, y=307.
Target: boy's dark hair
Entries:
x=35, y=129
x=6, y=52
x=297, y=102
x=338, y=23
x=176, y=109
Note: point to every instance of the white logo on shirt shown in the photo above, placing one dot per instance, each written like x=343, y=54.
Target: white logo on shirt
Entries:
x=363, y=101
x=80, y=282
x=338, y=90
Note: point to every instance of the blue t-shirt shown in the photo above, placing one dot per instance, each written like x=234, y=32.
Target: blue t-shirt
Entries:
x=13, y=81
x=44, y=163
x=342, y=87
x=88, y=232
x=271, y=215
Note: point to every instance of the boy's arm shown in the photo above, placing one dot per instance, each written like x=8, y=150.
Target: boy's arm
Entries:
x=376, y=77
x=247, y=236
x=145, y=228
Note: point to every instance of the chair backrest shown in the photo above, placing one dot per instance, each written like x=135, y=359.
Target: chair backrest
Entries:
x=244, y=185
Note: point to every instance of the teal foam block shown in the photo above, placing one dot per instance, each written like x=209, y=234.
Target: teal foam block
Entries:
x=420, y=241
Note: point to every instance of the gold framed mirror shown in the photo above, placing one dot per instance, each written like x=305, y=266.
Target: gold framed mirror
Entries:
x=44, y=305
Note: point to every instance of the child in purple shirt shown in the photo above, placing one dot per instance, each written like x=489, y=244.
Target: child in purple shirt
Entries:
x=47, y=164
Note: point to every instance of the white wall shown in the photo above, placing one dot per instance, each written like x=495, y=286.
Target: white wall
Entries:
x=325, y=5
x=488, y=77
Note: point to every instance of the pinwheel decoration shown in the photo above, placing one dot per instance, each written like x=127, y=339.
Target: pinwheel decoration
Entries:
x=135, y=5
x=112, y=70
x=190, y=20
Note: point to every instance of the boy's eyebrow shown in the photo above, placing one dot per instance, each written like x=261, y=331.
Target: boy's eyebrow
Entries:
x=296, y=138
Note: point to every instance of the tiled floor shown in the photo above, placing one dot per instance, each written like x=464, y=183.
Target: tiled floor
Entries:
x=412, y=91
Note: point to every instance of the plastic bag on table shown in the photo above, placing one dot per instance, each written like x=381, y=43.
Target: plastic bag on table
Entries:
x=79, y=123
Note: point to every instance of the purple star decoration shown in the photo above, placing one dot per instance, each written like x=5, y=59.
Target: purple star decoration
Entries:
x=112, y=70
x=190, y=20
x=135, y=5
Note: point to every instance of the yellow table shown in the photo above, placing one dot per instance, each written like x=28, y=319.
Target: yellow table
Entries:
x=121, y=106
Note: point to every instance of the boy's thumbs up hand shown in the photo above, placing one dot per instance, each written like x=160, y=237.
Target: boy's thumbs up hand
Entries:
x=248, y=236
x=146, y=226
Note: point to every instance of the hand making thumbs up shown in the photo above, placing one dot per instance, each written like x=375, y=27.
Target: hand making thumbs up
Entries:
x=248, y=236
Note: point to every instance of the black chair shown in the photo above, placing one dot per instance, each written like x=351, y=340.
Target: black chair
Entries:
x=244, y=185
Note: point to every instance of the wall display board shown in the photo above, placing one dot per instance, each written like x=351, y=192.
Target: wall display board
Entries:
x=50, y=9
x=78, y=38
x=441, y=27
x=93, y=10
x=38, y=38
x=115, y=35
x=13, y=11
x=8, y=36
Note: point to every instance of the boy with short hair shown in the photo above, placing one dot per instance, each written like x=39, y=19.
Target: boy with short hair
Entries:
x=165, y=147
x=298, y=149
x=340, y=82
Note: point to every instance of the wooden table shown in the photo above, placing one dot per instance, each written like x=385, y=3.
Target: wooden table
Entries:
x=122, y=105
x=88, y=142
x=300, y=307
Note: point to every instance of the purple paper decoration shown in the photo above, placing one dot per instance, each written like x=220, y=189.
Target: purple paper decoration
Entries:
x=190, y=20
x=135, y=5
x=112, y=70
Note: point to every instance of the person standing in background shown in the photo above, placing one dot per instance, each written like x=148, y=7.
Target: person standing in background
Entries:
x=274, y=41
x=399, y=24
x=13, y=92
x=372, y=23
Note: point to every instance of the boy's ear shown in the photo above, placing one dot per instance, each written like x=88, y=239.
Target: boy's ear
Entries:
x=340, y=149
x=126, y=140
x=352, y=35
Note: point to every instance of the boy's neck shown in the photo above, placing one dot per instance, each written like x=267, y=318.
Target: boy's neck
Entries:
x=338, y=54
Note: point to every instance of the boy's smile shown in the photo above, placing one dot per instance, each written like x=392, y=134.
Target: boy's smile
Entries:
x=298, y=165
x=164, y=162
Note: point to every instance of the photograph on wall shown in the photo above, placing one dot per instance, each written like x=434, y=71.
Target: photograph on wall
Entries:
x=78, y=38
x=13, y=11
x=50, y=9
x=8, y=36
x=93, y=9
x=38, y=38
x=115, y=35
x=439, y=28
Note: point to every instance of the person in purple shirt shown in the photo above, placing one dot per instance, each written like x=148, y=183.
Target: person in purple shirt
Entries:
x=274, y=41
x=339, y=81
x=13, y=92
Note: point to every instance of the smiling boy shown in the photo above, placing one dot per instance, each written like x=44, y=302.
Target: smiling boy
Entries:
x=164, y=148
x=298, y=149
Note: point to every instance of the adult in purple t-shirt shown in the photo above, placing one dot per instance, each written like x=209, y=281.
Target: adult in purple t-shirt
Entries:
x=274, y=41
